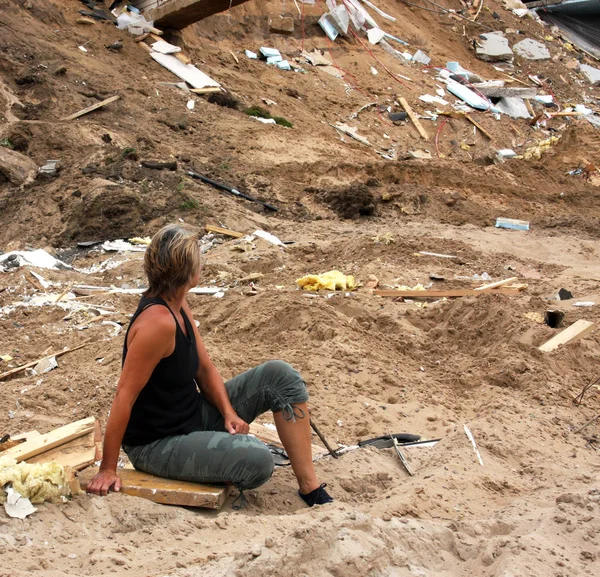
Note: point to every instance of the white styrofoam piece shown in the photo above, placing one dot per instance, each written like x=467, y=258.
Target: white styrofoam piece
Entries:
x=188, y=72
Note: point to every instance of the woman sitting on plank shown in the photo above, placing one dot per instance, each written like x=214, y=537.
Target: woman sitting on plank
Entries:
x=172, y=412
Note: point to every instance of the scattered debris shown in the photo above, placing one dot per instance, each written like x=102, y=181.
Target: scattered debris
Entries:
x=414, y=118
x=564, y=295
x=17, y=168
x=229, y=189
x=494, y=47
x=592, y=74
x=512, y=223
x=172, y=165
x=420, y=57
x=554, y=318
x=532, y=50
x=45, y=366
x=350, y=131
x=16, y=505
x=38, y=258
x=332, y=280
x=472, y=439
x=50, y=168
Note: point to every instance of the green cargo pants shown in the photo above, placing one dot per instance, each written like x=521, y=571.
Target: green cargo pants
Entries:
x=212, y=455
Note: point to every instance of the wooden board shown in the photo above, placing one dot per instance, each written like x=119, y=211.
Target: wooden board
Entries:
x=493, y=285
x=577, y=330
x=208, y=90
x=414, y=118
x=449, y=293
x=270, y=436
x=77, y=454
x=165, y=491
x=92, y=108
x=55, y=438
x=225, y=231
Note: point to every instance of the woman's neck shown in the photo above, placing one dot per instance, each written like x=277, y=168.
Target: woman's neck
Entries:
x=176, y=302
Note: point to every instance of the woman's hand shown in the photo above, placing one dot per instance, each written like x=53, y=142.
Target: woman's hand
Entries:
x=103, y=481
x=236, y=426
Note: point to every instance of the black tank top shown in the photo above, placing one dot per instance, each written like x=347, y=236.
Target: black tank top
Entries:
x=169, y=402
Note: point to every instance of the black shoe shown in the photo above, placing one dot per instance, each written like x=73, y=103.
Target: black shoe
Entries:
x=318, y=496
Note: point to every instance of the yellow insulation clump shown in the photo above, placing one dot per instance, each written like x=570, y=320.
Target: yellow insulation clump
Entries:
x=38, y=482
x=332, y=280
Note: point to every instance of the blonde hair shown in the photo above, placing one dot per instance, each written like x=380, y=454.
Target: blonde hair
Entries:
x=171, y=259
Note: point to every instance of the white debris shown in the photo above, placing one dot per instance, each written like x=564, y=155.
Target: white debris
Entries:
x=584, y=304
x=38, y=258
x=165, y=48
x=268, y=237
x=375, y=35
x=45, y=366
x=117, y=327
x=16, y=505
x=121, y=246
x=472, y=439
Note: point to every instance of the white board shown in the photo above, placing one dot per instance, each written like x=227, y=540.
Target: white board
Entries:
x=188, y=72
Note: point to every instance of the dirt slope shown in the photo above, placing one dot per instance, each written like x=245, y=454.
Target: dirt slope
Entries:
x=372, y=365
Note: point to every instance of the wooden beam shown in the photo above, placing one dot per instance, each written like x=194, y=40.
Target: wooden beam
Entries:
x=271, y=437
x=577, y=330
x=183, y=57
x=225, y=231
x=55, y=438
x=449, y=293
x=493, y=285
x=92, y=108
x=165, y=491
x=33, y=363
x=414, y=118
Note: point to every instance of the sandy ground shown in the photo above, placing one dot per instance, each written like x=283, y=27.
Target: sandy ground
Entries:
x=372, y=365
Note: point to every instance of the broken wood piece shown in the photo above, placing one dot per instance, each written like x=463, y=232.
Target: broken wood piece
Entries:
x=493, y=285
x=165, y=491
x=529, y=107
x=472, y=439
x=414, y=118
x=351, y=131
x=271, y=437
x=33, y=363
x=207, y=90
x=141, y=37
x=156, y=31
x=592, y=420
x=146, y=46
x=225, y=231
x=92, y=108
x=37, y=445
x=478, y=126
x=237, y=60
x=576, y=331
x=449, y=293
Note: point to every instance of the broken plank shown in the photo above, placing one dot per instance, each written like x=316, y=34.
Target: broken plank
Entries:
x=165, y=491
x=55, y=438
x=478, y=126
x=92, y=108
x=225, y=231
x=183, y=57
x=449, y=293
x=33, y=363
x=577, y=330
x=493, y=285
x=271, y=437
x=141, y=37
x=207, y=90
x=77, y=454
x=414, y=118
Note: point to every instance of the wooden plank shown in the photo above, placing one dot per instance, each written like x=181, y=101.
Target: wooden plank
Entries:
x=165, y=491
x=183, y=57
x=146, y=47
x=478, y=126
x=270, y=436
x=141, y=37
x=449, y=293
x=414, y=118
x=92, y=108
x=33, y=363
x=577, y=330
x=207, y=90
x=55, y=438
x=225, y=231
x=77, y=454
x=493, y=285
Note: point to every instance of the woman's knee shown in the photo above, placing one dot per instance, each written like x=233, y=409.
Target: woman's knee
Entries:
x=285, y=381
x=259, y=467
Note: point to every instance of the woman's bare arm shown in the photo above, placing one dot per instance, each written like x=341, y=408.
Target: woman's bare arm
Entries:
x=153, y=340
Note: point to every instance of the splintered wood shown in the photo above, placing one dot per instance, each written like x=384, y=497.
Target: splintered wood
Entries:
x=165, y=491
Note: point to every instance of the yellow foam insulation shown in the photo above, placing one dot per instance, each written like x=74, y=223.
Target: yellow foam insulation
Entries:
x=536, y=151
x=38, y=482
x=332, y=280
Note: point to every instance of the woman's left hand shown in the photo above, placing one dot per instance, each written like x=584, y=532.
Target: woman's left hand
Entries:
x=236, y=426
